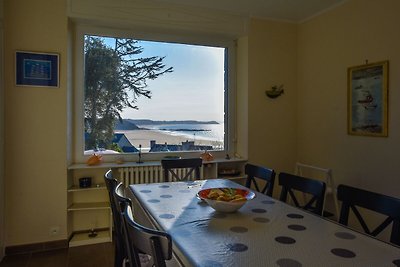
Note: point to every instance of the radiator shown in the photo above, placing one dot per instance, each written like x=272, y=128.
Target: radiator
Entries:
x=148, y=174
x=141, y=175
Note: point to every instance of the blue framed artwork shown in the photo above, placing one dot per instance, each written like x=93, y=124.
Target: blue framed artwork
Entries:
x=37, y=69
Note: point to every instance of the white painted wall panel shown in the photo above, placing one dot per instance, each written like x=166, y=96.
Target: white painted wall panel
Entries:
x=139, y=13
x=1, y=136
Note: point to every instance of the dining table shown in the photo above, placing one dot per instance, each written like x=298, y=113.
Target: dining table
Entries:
x=263, y=232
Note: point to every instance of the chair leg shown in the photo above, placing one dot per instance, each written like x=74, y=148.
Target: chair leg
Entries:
x=126, y=263
x=119, y=257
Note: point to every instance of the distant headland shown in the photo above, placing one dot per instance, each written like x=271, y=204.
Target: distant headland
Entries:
x=131, y=124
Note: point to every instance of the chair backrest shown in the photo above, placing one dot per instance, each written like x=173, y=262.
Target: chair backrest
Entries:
x=352, y=198
x=173, y=168
x=120, y=200
x=155, y=243
x=121, y=203
x=316, y=189
x=111, y=184
x=325, y=175
x=266, y=175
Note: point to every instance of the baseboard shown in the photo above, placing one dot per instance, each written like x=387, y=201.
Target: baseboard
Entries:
x=36, y=247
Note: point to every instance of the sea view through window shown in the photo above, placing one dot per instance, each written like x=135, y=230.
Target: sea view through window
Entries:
x=153, y=96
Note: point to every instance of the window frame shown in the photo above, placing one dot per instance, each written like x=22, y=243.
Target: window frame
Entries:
x=172, y=37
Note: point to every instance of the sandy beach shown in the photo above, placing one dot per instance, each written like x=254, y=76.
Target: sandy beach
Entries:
x=143, y=137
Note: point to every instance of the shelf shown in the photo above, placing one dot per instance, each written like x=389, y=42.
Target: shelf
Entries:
x=108, y=165
x=89, y=206
x=75, y=188
x=231, y=160
x=80, y=239
x=232, y=177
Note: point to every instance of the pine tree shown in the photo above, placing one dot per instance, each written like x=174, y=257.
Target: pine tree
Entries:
x=114, y=78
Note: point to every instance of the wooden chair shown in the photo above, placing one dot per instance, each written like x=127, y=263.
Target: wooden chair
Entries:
x=316, y=189
x=259, y=173
x=155, y=243
x=352, y=198
x=111, y=184
x=181, y=169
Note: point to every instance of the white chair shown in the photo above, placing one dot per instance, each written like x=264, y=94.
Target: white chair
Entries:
x=321, y=174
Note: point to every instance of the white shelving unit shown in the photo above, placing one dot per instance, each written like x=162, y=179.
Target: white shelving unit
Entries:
x=232, y=169
x=89, y=208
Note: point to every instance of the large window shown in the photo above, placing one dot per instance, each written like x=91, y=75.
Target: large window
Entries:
x=152, y=96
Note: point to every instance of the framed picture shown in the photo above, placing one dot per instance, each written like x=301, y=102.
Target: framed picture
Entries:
x=37, y=69
x=368, y=99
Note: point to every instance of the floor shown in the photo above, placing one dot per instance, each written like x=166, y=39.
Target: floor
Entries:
x=98, y=255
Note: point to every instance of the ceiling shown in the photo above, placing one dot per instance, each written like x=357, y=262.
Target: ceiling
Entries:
x=287, y=10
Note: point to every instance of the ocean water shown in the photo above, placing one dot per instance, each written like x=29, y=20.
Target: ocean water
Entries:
x=213, y=132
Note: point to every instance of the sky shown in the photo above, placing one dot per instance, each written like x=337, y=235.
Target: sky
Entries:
x=193, y=91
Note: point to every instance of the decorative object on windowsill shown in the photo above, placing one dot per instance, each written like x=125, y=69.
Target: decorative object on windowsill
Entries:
x=92, y=233
x=119, y=160
x=237, y=155
x=206, y=156
x=140, y=155
x=275, y=91
x=85, y=182
x=94, y=160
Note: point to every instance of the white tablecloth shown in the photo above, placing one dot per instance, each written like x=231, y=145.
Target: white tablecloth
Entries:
x=264, y=232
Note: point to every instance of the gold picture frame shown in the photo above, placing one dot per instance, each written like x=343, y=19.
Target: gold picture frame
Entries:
x=367, y=100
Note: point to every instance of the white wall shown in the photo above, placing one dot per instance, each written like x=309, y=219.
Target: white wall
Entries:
x=346, y=36
x=35, y=126
x=242, y=102
x=159, y=16
x=1, y=136
x=272, y=60
x=356, y=31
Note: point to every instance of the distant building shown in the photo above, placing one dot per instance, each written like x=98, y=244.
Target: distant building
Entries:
x=185, y=146
x=122, y=141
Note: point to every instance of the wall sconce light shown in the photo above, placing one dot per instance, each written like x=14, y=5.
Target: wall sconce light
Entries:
x=275, y=91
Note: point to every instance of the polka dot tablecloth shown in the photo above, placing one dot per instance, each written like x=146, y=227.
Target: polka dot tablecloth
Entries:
x=264, y=232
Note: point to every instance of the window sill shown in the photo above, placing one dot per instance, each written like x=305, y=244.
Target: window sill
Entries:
x=107, y=165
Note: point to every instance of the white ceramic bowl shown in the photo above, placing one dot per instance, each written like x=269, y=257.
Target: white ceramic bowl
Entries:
x=226, y=206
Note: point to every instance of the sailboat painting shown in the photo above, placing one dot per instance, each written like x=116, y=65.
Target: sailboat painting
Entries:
x=367, y=99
